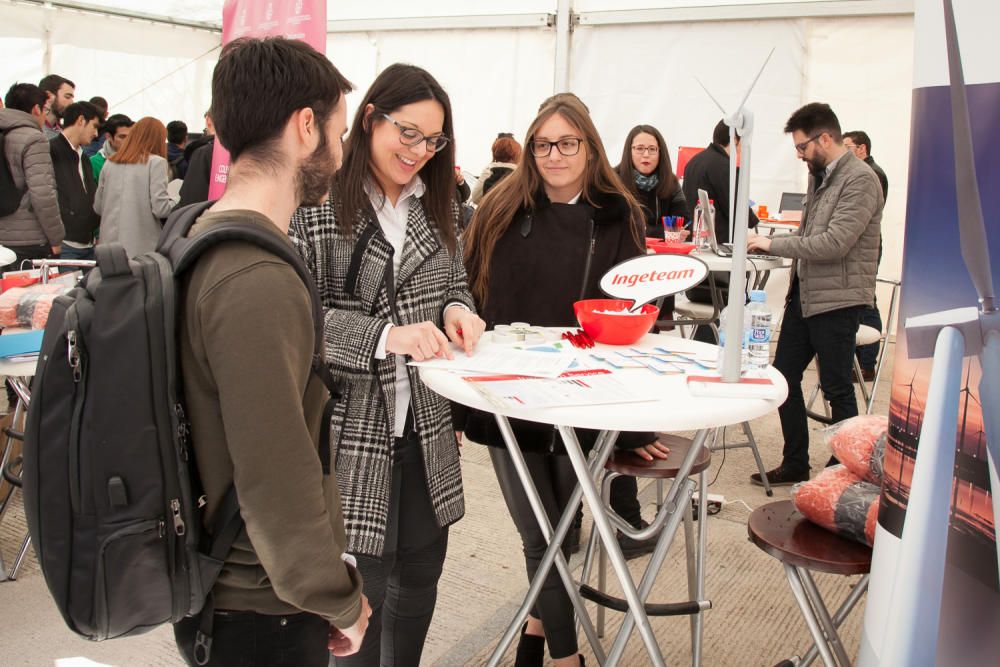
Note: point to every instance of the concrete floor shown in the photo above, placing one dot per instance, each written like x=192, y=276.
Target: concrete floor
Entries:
x=754, y=619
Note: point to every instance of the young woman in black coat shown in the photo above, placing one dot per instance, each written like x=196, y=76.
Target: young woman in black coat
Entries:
x=646, y=171
x=539, y=242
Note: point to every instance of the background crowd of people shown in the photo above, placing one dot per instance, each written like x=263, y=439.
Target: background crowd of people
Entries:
x=80, y=173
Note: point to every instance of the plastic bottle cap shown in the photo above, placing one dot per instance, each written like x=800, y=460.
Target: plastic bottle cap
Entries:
x=758, y=295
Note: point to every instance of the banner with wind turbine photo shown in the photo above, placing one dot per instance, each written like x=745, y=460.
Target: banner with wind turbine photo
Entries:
x=939, y=604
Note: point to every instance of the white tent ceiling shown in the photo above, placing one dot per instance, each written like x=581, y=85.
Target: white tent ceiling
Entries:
x=632, y=61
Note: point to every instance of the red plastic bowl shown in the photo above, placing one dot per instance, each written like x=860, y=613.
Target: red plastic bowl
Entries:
x=614, y=329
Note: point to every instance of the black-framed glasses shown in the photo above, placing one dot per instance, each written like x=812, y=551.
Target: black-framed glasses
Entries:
x=801, y=148
x=567, y=146
x=649, y=150
x=411, y=136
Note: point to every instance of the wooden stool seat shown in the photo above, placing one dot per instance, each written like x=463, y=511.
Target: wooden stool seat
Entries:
x=625, y=462
x=782, y=532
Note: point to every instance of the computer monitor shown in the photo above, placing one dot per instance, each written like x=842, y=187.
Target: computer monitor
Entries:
x=791, y=201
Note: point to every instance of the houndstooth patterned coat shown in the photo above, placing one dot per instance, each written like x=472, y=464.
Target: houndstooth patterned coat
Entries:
x=356, y=309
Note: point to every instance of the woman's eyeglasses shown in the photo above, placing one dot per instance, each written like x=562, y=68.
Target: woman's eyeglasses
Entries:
x=411, y=136
x=567, y=146
x=648, y=150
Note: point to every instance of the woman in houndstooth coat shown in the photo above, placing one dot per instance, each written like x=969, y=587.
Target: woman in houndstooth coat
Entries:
x=388, y=264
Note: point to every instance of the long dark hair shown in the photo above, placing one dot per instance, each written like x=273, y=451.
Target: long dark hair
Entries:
x=517, y=191
x=668, y=185
x=397, y=86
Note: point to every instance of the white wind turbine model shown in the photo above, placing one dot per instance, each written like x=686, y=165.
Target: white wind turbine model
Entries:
x=911, y=632
x=741, y=121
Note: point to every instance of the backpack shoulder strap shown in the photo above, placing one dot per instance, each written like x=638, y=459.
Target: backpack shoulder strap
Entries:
x=182, y=251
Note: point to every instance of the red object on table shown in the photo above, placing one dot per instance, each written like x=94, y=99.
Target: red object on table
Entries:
x=614, y=329
x=662, y=247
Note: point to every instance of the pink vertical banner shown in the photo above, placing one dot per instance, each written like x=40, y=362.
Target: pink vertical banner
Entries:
x=296, y=19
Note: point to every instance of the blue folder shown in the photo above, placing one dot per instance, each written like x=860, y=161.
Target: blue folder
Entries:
x=15, y=344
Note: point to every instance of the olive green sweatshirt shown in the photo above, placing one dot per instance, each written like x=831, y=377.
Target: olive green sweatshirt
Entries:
x=256, y=411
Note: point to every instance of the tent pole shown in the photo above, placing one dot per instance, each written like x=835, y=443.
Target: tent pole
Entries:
x=564, y=14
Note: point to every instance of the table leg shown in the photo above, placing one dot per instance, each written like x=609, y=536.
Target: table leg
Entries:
x=807, y=612
x=678, y=497
x=824, y=616
x=700, y=568
x=606, y=531
x=553, y=555
x=838, y=618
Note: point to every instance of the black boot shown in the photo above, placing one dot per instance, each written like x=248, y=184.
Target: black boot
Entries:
x=530, y=650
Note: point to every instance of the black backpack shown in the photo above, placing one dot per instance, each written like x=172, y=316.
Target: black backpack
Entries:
x=111, y=494
x=10, y=194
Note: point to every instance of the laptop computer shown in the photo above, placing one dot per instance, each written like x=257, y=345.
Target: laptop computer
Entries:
x=721, y=249
x=791, y=201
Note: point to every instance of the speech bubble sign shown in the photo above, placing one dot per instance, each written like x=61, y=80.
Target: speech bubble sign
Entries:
x=646, y=278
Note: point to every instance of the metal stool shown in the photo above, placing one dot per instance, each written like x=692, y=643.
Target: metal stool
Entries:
x=624, y=462
x=802, y=546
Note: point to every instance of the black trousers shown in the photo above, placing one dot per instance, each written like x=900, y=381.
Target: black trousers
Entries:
x=402, y=585
x=554, y=478
x=830, y=338
x=249, y=639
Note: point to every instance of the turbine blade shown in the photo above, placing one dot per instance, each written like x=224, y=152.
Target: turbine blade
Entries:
x=755, y=79
x=711, y=96
x=972, y=230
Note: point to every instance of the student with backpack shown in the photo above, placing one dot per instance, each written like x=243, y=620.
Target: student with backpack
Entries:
x=30, y=223
x=245, y=553
x=388, y=263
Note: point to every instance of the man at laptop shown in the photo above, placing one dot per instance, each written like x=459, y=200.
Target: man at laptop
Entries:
x=835, y=258
x=709, y=171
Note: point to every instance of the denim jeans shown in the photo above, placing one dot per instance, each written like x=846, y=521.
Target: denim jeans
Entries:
x=249, y=639
x=830, y=338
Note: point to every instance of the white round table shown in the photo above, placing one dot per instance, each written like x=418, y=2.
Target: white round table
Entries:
x=777, y=226
x=7, y=256
x=674, y=409
x=718, y=263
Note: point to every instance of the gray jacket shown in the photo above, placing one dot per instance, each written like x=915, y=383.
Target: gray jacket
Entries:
x=835, y=250
x=37, y=220
x=131, y=199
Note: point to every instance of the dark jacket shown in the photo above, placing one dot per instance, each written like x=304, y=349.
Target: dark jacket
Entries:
x=76, y=197
x=882, y=178
x=527, y=285
x=178, y=163
x=709, y=171
x=654, y=208
x=246, y=340
x=196, y=182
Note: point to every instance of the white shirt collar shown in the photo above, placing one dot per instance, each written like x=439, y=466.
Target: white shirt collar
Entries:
x=833, y=163
x=415, y=188
x=576, y=199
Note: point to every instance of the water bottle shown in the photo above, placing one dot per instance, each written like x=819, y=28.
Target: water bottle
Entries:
x=758, y=331
x=743, y=342
x=699, y=234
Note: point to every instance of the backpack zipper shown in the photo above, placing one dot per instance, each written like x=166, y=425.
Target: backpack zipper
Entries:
x=75, y=359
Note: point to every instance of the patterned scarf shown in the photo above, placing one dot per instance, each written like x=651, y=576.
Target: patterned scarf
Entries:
x=645, y=183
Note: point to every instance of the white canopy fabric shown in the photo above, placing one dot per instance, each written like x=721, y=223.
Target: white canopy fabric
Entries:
x=626, y=72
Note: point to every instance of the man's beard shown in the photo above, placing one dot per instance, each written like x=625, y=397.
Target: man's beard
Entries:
x=315, y=175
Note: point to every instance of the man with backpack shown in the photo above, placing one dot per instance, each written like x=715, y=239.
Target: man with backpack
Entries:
x=177, y=455
x=30, y=223
x=246, y=339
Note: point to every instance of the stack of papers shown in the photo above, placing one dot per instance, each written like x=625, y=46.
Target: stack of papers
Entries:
x=586, y=387
x=502, y=360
